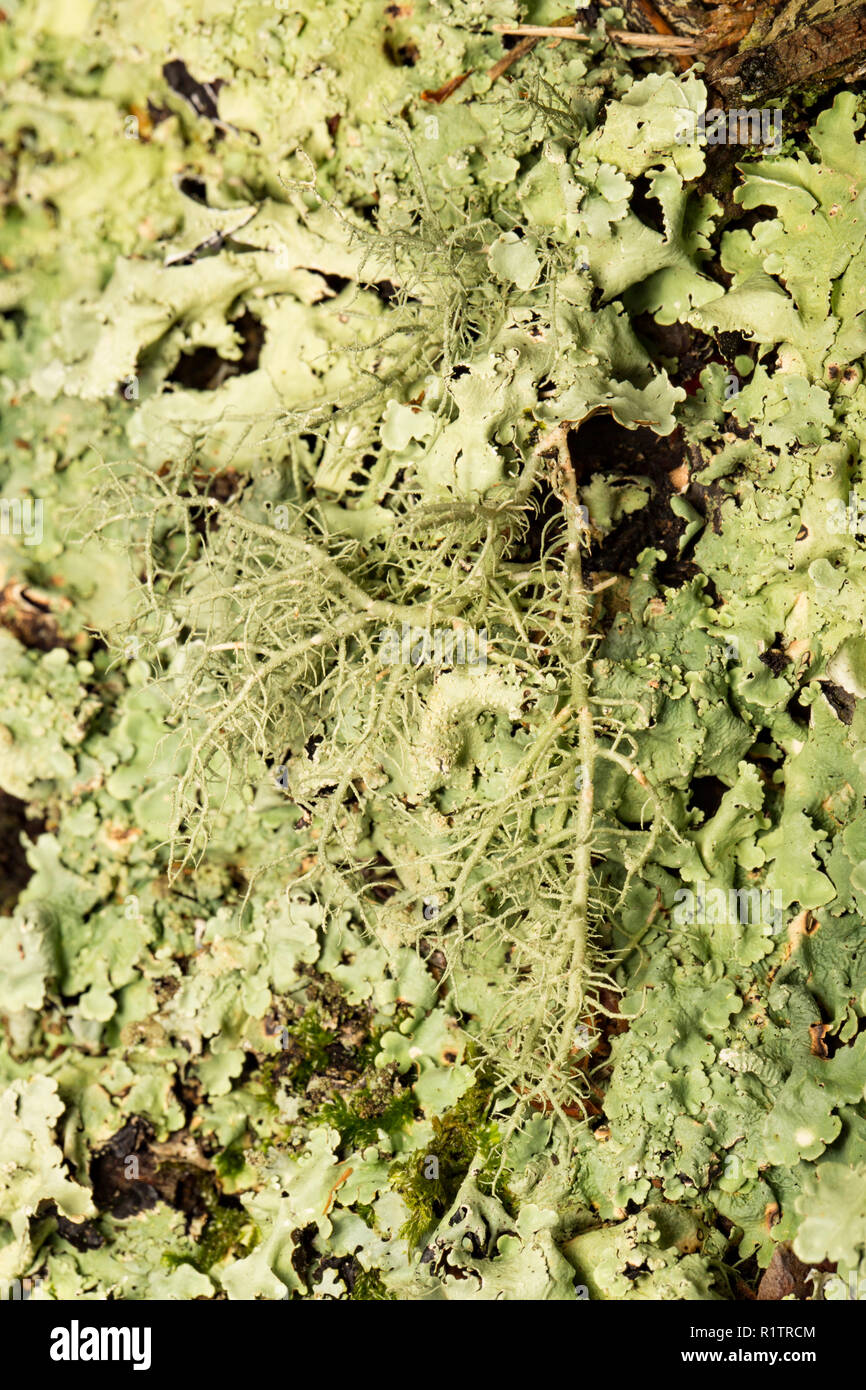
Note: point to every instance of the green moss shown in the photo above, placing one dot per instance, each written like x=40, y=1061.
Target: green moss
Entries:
x=368, y=1288
x=229, y=1231
x=459, y=1137
x=359, y=1123
x=366, y=1212
x=305, y=1055
x=230, y=1161
x=368, y=1051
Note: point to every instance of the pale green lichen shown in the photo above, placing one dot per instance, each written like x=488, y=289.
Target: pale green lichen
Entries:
x=358, y=914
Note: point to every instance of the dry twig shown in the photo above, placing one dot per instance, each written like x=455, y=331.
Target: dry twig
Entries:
x=662, y=43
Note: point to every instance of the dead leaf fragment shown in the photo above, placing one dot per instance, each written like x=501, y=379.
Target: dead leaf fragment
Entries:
x=784, y=1275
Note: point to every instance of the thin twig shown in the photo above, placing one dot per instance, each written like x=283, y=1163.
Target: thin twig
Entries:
x=664, y=43
x=445, y=91
x=519, y=50
x=525, y=46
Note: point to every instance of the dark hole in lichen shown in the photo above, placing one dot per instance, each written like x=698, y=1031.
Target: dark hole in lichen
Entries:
x=16, y=819
x=645, y=206
x=193, y=188
x=204, y=370
x=705, y=795
x=601, y=446
x=201, y=96
x=798, y=710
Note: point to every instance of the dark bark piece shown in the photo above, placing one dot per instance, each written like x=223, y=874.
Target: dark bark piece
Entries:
x=30, y=616
x=814, y=55
x=842, y=702
x=81, y=1235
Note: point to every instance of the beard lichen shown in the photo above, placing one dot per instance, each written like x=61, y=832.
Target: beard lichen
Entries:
x=475, y=786
x=297, y=609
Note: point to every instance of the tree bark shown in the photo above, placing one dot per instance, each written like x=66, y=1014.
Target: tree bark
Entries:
x=808, y=43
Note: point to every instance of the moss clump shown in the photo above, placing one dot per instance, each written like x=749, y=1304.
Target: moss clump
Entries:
x=228, y=1231
x=230, y=1161
x=304, y=1056
x=429, y=1181
x=368, y=1288
x=359, y=1123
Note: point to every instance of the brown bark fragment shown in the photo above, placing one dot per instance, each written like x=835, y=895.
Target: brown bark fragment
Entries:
x=807, y=55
